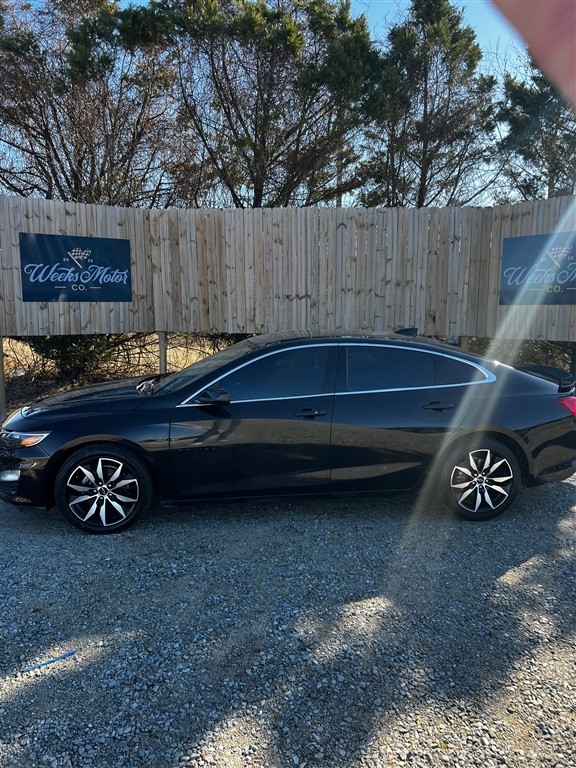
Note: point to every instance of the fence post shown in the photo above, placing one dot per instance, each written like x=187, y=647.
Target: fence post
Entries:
x=2, y=382
x=163, y=349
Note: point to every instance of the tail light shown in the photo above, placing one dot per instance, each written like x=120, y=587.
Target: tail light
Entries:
x=569, y=402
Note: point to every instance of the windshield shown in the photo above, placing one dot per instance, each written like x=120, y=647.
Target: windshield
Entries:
x=176, y=381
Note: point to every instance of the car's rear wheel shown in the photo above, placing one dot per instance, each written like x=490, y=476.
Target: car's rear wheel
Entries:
x=481, y=480
x=103, y=488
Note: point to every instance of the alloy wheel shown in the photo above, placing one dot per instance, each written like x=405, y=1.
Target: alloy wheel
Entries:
x=102, y=491
x=482, y=481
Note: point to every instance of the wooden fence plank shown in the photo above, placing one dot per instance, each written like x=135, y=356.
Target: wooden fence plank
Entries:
x=214, y=241
x=565, y=220
x=473, y=241
x=391, y=262
x=434, y=274
x=142, y=307
x=324, y=268
x=328, y=268
x=11, y=290
x=402, y=315
x=229, y=278
x=421, y=269
x=380, y=264
x=295, y=257
x=477, y=319
x=451, y=328
x=313, y=249
x=362, y=294
x=502, y=326
x=35, y=314
x=540, y=319
x=412, y=223
x=260, y=274
x=85, y=224
x=371, y=257
x=202, y=264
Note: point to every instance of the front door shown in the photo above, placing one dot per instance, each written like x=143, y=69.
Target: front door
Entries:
x=273, y=437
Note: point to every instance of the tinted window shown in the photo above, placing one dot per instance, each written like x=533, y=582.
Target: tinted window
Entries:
x=176, y=381
x=290, y=373
x=451, y=371
x=373, y=368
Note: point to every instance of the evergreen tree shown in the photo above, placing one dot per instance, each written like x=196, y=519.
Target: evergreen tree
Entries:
x=432, y=138
x=540, y=140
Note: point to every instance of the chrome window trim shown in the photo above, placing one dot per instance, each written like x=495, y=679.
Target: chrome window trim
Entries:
x=260, y=400
x=415, y=389
x=489, y=376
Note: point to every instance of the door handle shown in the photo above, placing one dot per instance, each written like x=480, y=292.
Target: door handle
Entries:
x=436, y=405
x=309, y=413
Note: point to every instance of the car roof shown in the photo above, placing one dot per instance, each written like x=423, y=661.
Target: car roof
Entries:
x=284, y=337
x=278, y=337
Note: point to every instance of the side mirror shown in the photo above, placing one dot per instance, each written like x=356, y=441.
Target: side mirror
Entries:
x=213, y=396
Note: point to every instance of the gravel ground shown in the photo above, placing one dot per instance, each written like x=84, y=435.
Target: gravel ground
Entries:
x=343, y=633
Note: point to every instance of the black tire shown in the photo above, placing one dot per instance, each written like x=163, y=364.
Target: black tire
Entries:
x=479, y=480
x=103, y=488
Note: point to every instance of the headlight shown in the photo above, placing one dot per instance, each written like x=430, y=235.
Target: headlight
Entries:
x=14, y=440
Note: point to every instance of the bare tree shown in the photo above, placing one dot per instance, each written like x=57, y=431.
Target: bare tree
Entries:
x=86, y=110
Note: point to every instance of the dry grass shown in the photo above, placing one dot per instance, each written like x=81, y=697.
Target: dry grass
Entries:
x=183, y=350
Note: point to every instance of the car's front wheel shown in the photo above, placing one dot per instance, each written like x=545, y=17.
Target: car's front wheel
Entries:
x=480, y=481
x=103, y=488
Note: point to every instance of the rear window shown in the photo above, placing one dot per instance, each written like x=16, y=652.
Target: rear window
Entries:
x=448, y=370
x=371, y=368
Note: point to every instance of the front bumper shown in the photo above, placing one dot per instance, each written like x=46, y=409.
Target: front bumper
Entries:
x=9, y=476
x=20, y=479
x=9, y=481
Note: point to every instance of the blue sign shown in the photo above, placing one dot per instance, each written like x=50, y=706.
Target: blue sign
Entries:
x=69, y=268
x=539, y=269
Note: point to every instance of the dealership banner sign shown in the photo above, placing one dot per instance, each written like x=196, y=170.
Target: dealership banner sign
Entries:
x=69, y=268
x=539, y=269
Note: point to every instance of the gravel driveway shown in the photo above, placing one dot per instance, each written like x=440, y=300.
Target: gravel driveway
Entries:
x=356, y=632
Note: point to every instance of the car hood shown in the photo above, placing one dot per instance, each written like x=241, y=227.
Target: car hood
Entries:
x=120, y=395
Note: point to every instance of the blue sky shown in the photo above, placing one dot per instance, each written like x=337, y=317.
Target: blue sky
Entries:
x=495, y=36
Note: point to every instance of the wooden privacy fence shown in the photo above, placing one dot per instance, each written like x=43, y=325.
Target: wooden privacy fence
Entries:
x=286, y=269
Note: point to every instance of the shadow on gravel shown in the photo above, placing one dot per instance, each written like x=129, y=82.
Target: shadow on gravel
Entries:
x=290, y=633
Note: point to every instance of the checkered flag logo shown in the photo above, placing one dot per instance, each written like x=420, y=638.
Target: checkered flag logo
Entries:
x=78, y=255
x=558, y=253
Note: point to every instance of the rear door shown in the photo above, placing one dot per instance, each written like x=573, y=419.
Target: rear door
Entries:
x=392, y=409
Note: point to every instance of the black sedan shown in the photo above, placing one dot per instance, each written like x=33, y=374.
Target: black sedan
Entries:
x=290, y=413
